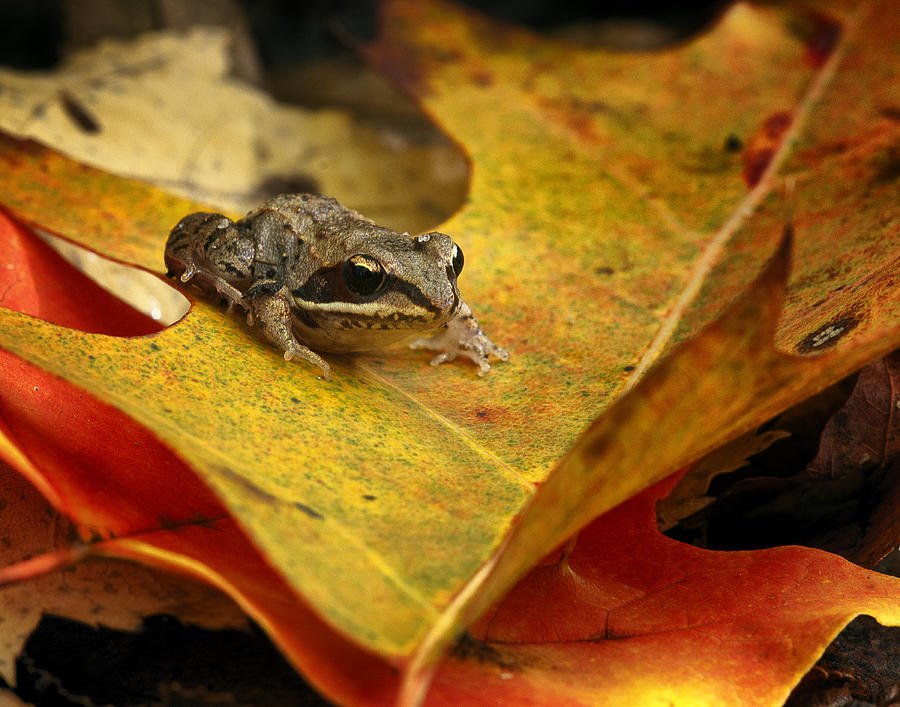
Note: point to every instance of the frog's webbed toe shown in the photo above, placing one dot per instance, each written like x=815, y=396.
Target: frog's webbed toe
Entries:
x=462, y=336
x=185, y=268
x=189, y=271
x=272, y=315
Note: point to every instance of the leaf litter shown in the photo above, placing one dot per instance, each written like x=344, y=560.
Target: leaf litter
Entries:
x=826, y=326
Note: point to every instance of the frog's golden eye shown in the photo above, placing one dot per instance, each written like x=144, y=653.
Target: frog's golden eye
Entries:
x=363, y=274
x=458, y=260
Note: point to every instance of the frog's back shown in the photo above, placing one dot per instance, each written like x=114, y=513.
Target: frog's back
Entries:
x=301, y=209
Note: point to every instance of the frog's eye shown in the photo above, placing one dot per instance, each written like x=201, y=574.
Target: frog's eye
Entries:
x=363, y=274
x=458, y=260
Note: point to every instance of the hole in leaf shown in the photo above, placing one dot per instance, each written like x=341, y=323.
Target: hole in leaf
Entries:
x=143, y=291
x=96, y=295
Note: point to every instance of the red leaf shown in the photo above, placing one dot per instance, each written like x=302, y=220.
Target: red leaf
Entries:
x=130, y=495
x=642, y=618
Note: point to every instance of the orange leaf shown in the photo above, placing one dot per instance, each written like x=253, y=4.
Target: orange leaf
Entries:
x=642, y=619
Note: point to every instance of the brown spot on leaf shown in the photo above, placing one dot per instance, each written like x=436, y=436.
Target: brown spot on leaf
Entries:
x=762, y=145
x=775, y=125
x=755, y=164
x=481, y=78
x=312, y=513
x=246, y=485
x=577, y=116
x=891, y=112
x=470, y=647
x=490, y=414
x=828, y=334
x=820, y=34
x=733, y=143
x=887, y=166
x=79, y=114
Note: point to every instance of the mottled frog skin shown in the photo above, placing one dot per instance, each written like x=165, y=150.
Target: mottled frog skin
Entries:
x=312, y=274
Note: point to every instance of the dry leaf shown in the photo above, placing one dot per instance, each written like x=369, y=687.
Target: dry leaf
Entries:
x=608, y=219
x=97, y=591
x=688, y=496
x=162, y=108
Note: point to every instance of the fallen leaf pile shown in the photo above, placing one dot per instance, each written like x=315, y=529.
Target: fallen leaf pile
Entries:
x=628, y=240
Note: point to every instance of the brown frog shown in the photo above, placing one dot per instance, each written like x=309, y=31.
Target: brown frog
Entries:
x=315, y=275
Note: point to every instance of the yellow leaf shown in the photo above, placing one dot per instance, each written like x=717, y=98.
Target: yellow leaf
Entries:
x=607, y=220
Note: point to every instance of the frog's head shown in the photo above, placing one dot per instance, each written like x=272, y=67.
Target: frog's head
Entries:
x=377, y=287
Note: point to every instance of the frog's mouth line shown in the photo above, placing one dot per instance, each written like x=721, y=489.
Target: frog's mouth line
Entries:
x=369, y=315
x=363, y=309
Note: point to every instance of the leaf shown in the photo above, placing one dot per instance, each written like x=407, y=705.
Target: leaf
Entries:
x=309, y=502
x=129, y=495
x=843, y=501
x=702, y=411
x=688, y=496
x=234, y=147
x=865, y=431
x=642, y=619
x=99, y=590
x=869, y=420
x=591, y=228
x=38, y=282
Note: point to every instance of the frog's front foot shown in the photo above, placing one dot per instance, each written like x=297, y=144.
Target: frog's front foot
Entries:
x=297, y=350
x=272, y=315
x=462, y=336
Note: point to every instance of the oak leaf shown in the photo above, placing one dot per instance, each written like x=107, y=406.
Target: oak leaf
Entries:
x=594, y=245
x=642, y=619
x=127, y=495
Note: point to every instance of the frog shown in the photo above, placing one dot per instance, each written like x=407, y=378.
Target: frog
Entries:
x=315, y=276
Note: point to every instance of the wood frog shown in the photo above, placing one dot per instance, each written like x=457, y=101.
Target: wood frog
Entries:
x=312, y=274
